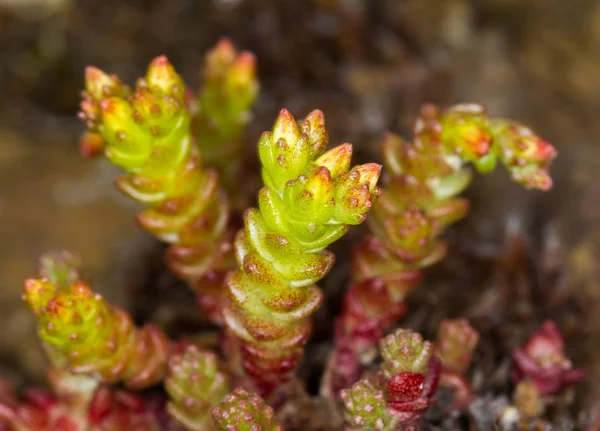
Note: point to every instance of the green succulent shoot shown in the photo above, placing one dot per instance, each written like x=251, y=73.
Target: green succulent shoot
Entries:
x=81, y=330
x=309, y=200
x=221, y=110
x=147, y=132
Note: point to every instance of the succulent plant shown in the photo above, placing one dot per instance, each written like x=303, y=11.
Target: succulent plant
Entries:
x=419, y=201
x=456, y=340
x=455, y=343
x=366, y=407
x=153, y=132
x=81, y=330
x=195, y=386
x=88, y=343
x=243, y=411
x=182, y=151
x=309, y=200
x=221, y=110
x=542, y=359
x=399, y=397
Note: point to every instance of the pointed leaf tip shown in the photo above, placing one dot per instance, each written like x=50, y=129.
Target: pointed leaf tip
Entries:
x=337, y=160
x=314, y=127
x=243, y=71
x=97, y=83
x=369, y=174
x=225, y=44
x=284, y=113
x=316, y=117
x=37, y=293
x=92, y=73
x=160, y=61
x=285, y=127
x=245, y=65
x=162, y=75
x=247, y=57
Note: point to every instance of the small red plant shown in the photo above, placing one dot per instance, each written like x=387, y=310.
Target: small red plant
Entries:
x=542, y=359
x=400, y=394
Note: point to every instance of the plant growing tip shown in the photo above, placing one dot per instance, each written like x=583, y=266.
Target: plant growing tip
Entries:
x=456, y=340
x=162, y=79
x=222, y=109
x=313, y=126
x=366, y=407
x=243, y=75
x=243, y=411
x=404, y=351
x=92, y=338
x=88, y=342
x=222, y=55
x=455, y=343
x=100, y=85
x=195, y=386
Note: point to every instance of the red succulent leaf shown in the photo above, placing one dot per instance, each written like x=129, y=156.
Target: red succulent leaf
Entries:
x=405, y=387
x=413, y=392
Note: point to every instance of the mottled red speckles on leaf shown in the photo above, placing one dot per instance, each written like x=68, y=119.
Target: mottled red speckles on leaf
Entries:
x=404, y=387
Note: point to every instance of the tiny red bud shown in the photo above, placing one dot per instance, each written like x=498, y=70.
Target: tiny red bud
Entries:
x=91, y=145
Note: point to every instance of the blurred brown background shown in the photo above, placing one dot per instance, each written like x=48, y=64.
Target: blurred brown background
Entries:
x=367, y=64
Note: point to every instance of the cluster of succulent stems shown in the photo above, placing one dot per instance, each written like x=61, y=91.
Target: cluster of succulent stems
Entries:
x=159, y=133
x=399, y=393
x=420, y=199
x=260, y=284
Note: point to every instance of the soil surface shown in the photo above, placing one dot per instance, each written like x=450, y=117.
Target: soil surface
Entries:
x=520, y=258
